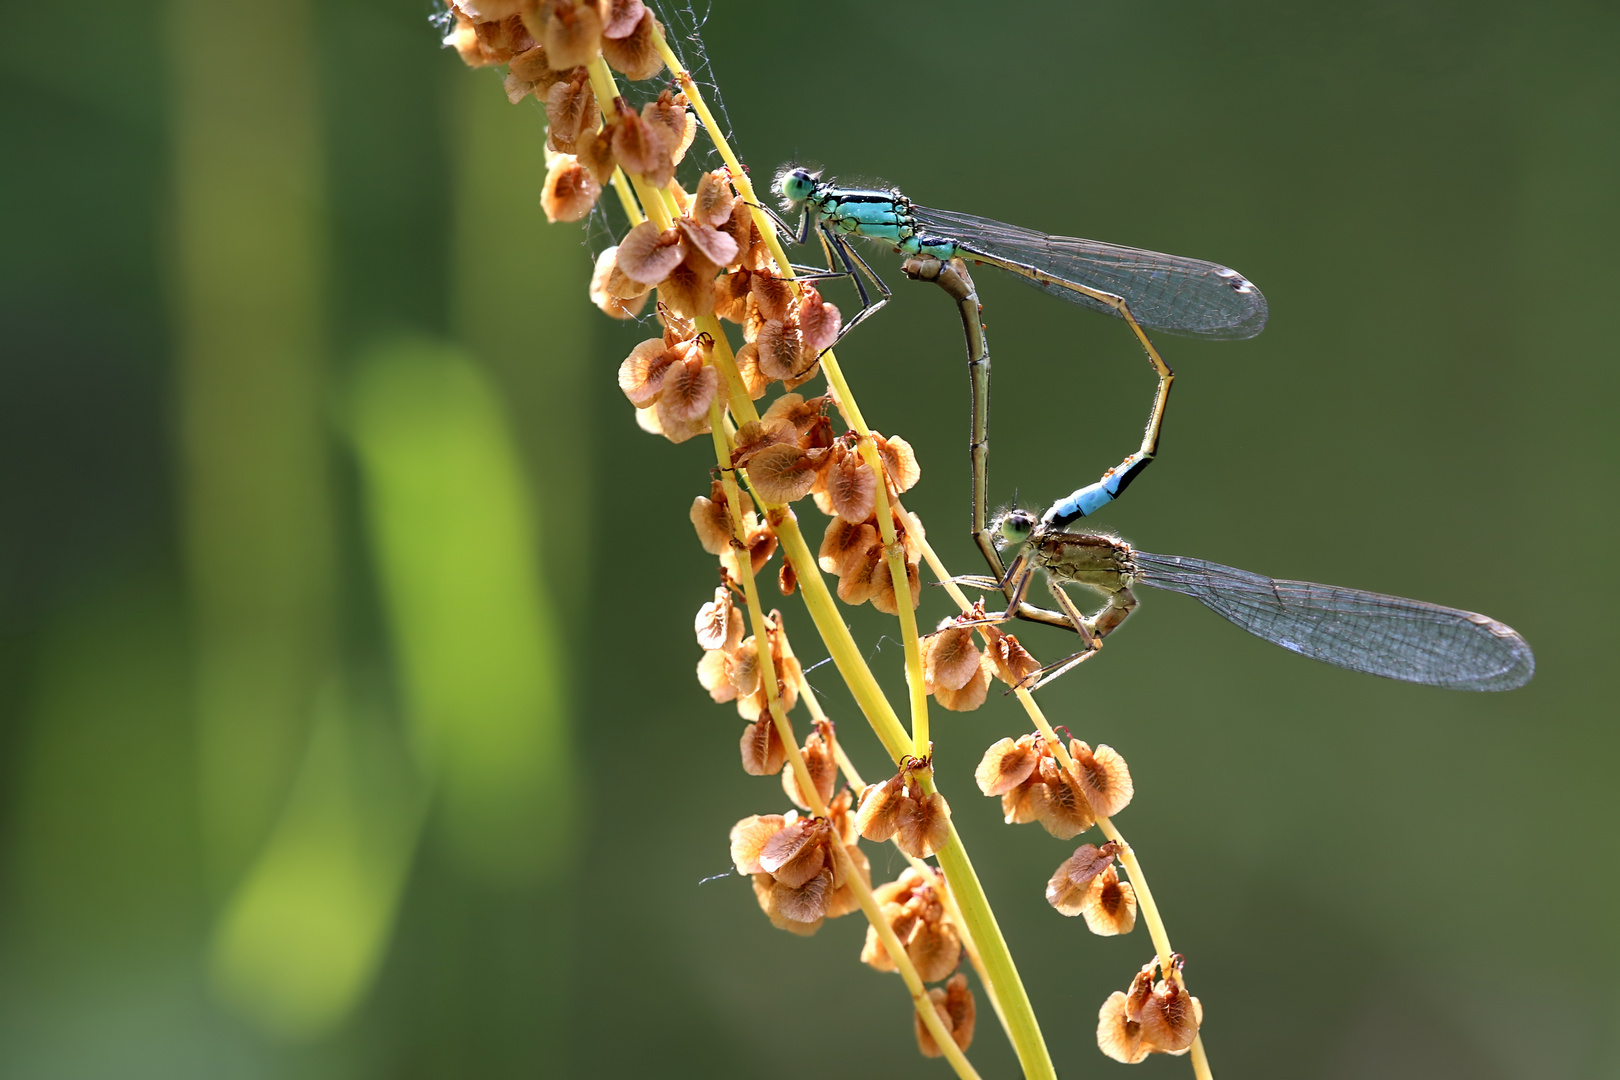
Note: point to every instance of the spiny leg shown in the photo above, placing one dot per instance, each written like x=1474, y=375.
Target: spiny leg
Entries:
x=1093, y=630
x=856, y=267
x=1014, y=584
x=793, y=234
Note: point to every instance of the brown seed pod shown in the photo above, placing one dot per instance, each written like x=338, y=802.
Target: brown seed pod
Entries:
x=571, y=110
x=763, y=753
x=601, y=291
x=1104, y=776
x=570, y=190
x=634, y=53
x=1118, y=1036
x=1110, y=905
x=925, y=825
x=956, y=1010
x=748, y=837
x=1006, y=765
x=781, y=474
x=572, y=34
x=647, y=253
x=951, y=660
x=641, y=376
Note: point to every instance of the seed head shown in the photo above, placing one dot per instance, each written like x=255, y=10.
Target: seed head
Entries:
x=956, y=1010
x=885, y=596
x=642, y=147
x=848, y=488
x=1104, y=776
x=1110, y=905
x=925, y=824
x=1171, y=1016
x=782, y=474
x=843, y=542
x=762, y=751
x=570, y=190
x=670, y=113
x=1071, y=884
x=821, y=763
x=571, y=33
x=972, y=694
x=1118, y=1036
x=719, y=624
x=632, y=52
x=1006, y=765
x=619, y=17
x=1058, y=802
x=571, y=110
x=713, y=201
x=879, y=813
x=915, y=911
x=601, y=288
x=1012, y=663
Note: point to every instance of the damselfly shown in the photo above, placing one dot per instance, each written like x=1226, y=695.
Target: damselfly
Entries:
x=1148, y=289
x=1363, y=631
x=1382, y=635
x=953, y=277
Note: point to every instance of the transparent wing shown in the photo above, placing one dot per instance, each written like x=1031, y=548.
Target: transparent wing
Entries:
x=1363, y=631
x=1165, y=292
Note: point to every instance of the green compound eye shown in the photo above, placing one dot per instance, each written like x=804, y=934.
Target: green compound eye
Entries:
x=797, y=184
x=1017, y=526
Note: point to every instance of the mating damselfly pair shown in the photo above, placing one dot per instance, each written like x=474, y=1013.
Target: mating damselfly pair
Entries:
x=1390, y=636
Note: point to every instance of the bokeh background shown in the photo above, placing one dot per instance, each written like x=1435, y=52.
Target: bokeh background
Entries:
x=350, y=727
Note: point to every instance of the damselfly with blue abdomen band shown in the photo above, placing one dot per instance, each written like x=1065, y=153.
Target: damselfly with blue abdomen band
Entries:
x=953, y=277
x=1382, y=635
x=1363, y=631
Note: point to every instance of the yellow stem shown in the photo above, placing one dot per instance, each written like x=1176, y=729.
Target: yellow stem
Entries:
x=756, y=615
x=739, y=175
x=999, y=969
x=627, y=199
x=1133, y=866
x=807, y=789
x=818, y=600
x=902, y=962
x=976, y=914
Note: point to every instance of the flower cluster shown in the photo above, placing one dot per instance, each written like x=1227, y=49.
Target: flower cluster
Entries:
x=1034, y=785
x=1087, y=883
x=958, y=673
x=1150, y=1018
x=800, y=878
x=902, y=809
x=572, y=33
x=913, y=907
x=714, y=232
x=546, y=45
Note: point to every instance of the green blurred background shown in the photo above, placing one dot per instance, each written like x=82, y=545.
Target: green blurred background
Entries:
x=326, y=533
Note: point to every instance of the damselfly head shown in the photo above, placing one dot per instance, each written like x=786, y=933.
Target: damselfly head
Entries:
x=1016, y=526
x=795, y=183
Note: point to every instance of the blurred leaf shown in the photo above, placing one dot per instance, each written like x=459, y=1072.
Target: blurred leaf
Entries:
x=479, y=653
x=300, y=941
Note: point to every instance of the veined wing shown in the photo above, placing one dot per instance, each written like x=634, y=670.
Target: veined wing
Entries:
x=1165, y=292
x=1363, y=631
